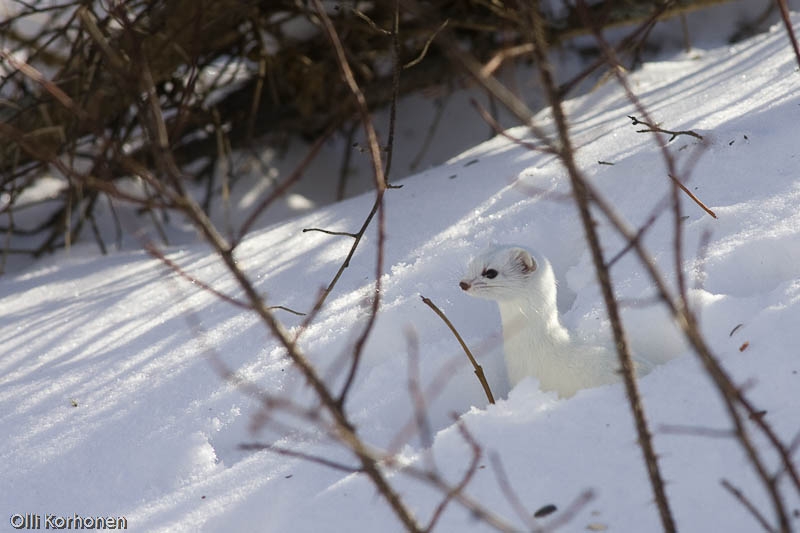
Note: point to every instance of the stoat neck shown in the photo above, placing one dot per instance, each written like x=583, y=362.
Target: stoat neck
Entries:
x=538, y=318
x=533, y=337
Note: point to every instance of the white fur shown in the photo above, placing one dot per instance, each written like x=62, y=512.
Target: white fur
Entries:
x=534, y=341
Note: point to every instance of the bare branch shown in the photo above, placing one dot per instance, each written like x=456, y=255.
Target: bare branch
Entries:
x=284, y=186
x=489, y=119
x=158, y=254
x=752, y=509
x=424, y=51
x=289, y=452
x=787, y=22
x=469, y=473
x=655, y=128
x=395, y=91
x=478, y=368
x=680, y=310
x=508, y=491
x=582, y=198
x=329, y=232
x=417, y=396
x=46, y=84
x=692, y=196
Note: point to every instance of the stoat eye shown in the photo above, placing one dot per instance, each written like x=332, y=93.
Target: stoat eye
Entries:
x=489, y=273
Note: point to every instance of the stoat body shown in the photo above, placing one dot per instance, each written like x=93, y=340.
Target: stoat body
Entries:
x=534, y=341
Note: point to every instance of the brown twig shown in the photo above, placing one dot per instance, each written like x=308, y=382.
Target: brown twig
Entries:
x=679, y=308
x=752, y=509
x=633, y=40
x=46, y=84
x=393, y=499
x=395, y=92
x=380, y=188
x=156, y=253
x=372, y=24
x=731, y=394
x=506, y=53
x=655, y=128
x=489, y=119
x=697, y=200
x=787, y=23
x=284, y=186
x=478, y=368
x=424, y=51
x=330, y=232
x=582, y=198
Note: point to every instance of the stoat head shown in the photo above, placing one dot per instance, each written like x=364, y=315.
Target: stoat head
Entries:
x=508, y=273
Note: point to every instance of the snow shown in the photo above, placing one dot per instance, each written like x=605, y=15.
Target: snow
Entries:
x=112, y=404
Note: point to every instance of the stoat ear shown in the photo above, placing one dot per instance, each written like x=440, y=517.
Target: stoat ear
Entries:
x=527, y=262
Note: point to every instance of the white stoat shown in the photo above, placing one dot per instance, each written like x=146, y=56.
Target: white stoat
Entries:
x=534, y=341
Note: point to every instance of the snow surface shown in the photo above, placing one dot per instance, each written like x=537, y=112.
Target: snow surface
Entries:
x=110, y=403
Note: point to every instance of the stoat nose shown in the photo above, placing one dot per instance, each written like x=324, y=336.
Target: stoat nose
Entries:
x=464, y=285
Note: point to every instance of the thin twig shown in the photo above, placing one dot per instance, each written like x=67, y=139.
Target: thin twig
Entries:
x=395, y=92
x=575, y=506
x=692, y=196
x=439, y=105
x=752, y=509
x=344, y=168
x=582, y=200
x=278, y=191
x=469, y=473
x=478, y=368
x=637, y=238
x=400, y=509
x=417, y=396
x=697, y=431
x=380, y=188
x=330, y=232
x=679, y=309
x=346, y=263
x=46, y=84
x=655, y=128
x=424, y=51
x=287, y=309
x=787, y=23
x=489, y=119
x=291, y=452
x=372, y=24
x=508, y=491
x=631, y=41
x=506, y=53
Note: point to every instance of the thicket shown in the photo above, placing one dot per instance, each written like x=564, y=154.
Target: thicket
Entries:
x=80, y=79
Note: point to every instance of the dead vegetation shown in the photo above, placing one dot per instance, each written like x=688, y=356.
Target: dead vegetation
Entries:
x=227, y=75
